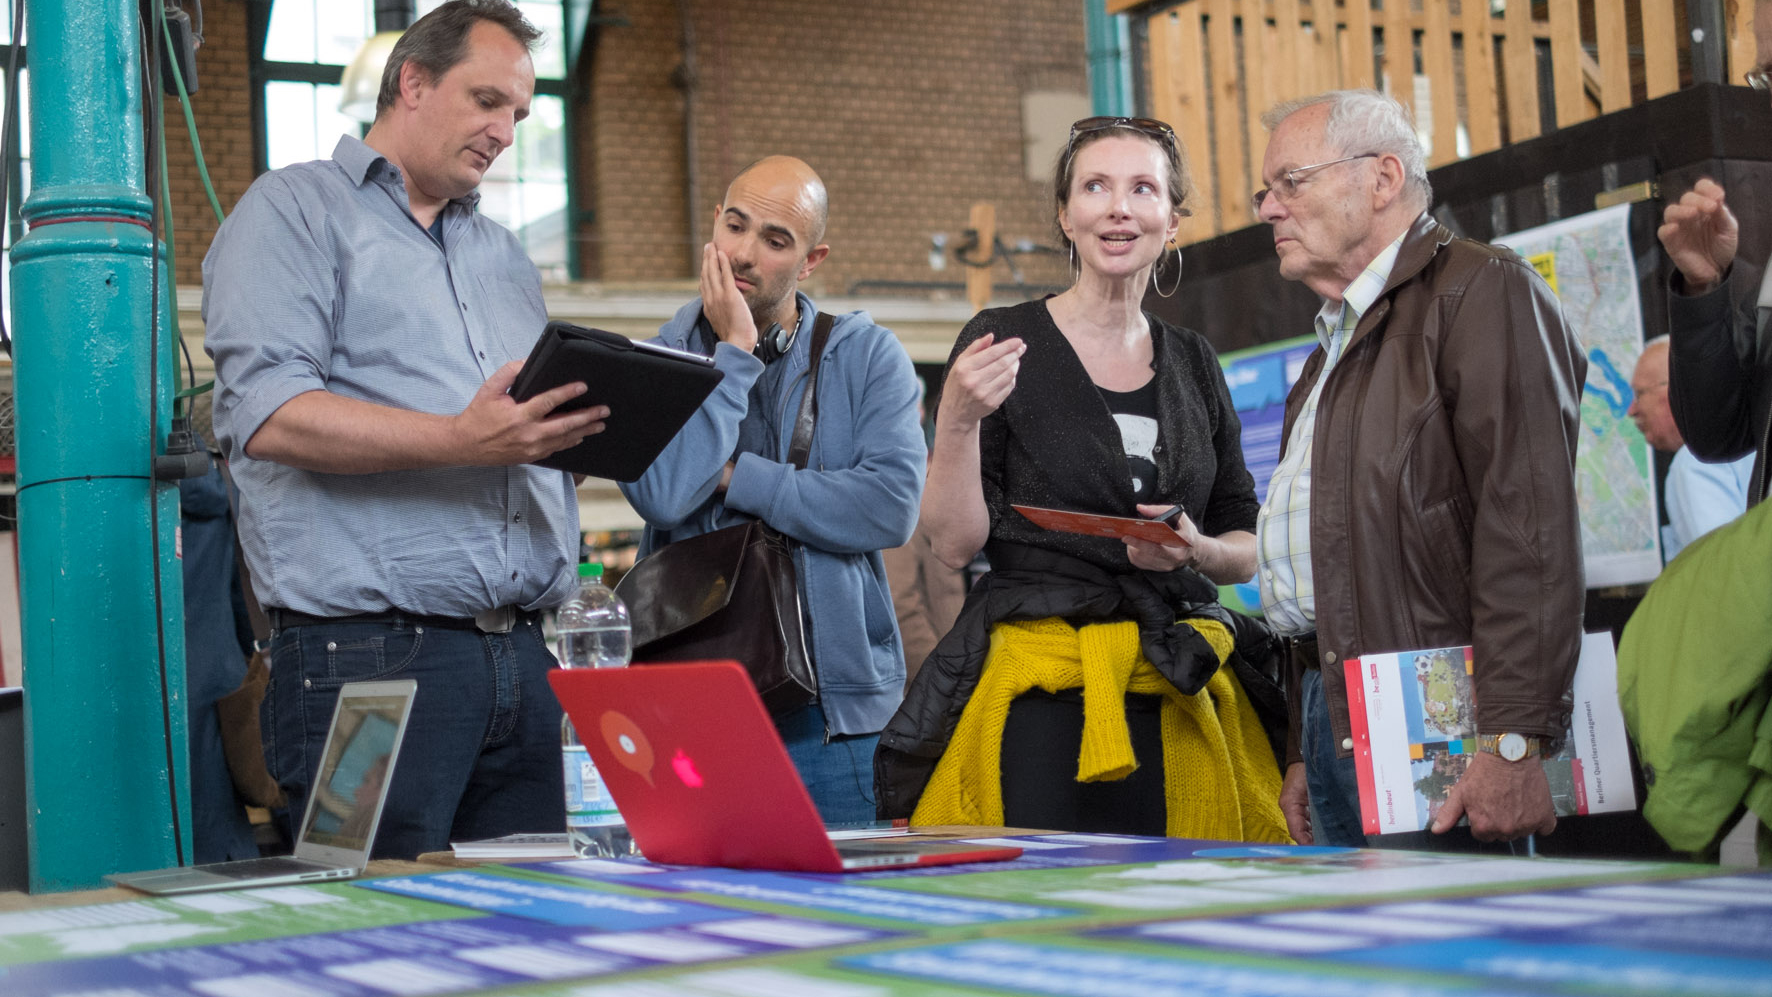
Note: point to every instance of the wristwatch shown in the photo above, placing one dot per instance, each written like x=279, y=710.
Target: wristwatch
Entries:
x=1511, y=747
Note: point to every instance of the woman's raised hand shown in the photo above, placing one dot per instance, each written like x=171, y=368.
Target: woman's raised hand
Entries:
x=981, y=377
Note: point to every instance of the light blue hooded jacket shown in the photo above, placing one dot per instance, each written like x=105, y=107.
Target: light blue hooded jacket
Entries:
x=858, y=495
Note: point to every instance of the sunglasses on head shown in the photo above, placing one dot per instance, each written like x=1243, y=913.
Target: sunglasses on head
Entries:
x=1158, y=130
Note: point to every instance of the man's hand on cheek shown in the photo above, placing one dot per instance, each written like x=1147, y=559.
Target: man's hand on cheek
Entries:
x=721, y=302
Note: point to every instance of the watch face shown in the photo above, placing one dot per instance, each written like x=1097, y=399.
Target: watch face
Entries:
x=1511, y=747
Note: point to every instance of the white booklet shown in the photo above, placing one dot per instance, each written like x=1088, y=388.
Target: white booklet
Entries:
x=1414, y=719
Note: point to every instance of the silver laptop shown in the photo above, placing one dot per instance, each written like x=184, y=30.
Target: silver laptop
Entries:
x=344, y=802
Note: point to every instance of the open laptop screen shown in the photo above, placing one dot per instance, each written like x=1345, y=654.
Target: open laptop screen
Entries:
x=351, y=777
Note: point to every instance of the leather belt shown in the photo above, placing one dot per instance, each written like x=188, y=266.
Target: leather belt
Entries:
x=493, y=621
x=1302, y=648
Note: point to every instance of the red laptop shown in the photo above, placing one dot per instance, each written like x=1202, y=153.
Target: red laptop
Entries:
x=702, y=778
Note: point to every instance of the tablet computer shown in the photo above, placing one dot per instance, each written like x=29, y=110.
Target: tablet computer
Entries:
x=1157, y=531
x=651, y=392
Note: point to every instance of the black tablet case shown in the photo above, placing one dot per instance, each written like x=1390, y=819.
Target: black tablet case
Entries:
x=651, y=393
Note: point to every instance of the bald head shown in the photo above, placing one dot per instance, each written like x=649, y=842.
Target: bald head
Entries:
x=771, y=231
x=1649, y=409
x=794, y=185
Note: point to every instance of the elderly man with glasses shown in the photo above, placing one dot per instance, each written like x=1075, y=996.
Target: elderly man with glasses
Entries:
x=1720, y=369
x=1425, y=496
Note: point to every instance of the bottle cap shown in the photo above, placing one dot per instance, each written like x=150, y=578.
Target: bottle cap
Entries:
x=591, y=569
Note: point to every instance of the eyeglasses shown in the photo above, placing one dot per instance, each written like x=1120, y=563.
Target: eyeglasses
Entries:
x=1286, y=187
x=1158, y=130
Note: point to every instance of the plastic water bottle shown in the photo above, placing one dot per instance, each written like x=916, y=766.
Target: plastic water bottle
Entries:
x=593, y=632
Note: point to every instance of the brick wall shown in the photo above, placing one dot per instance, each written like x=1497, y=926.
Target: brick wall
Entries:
x=910, y=110
x=222, y=106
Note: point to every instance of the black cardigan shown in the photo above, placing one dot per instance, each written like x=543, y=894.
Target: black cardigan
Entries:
x=1054, y=443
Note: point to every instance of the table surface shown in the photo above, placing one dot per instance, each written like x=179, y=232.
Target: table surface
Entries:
x=1075, y=914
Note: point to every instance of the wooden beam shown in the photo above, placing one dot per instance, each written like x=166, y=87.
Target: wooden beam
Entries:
x=1399, y=52
x=1258, y=73
x=1661, y=56
x=1357, y=69
x=1522, y=73
x=1232, y=173
x=1287, y=37
x=1178, y=78
x=978, y=279
x=1482, y=114
x=1566, y=56
x=1436, y=62
x=1742, y=54
x=1614, y=46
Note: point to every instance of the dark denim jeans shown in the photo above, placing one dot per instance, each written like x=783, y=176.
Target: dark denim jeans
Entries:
x=1334, y=788
x=481, y=757
x=839, y=773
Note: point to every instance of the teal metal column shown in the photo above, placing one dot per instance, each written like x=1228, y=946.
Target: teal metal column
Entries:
x=1110, y=69
x=105, y=741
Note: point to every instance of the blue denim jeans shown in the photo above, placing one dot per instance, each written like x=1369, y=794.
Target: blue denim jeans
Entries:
x=481, y=757
x=1334, y=788
x=839, y=773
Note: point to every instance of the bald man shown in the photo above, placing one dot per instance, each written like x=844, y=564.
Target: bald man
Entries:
x=862, y=483
x=1699, y=497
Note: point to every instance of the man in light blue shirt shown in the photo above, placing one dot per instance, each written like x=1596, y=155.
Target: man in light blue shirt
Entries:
x=1699, y=497
x=366, y=323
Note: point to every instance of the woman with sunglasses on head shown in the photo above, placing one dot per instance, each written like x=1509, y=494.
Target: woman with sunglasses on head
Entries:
x=1092, y=683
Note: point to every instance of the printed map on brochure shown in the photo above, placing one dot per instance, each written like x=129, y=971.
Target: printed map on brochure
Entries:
x=1414, y=718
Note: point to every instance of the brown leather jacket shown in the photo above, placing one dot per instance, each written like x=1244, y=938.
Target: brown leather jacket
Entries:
x=1443, y=506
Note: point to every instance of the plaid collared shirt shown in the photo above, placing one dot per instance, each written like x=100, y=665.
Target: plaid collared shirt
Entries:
x=1283, y=530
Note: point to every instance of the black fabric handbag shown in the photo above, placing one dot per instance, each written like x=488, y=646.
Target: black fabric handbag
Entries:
x=733, y=593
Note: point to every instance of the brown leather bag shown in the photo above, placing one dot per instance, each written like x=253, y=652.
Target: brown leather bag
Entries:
x=734, y=592
x=731, y=593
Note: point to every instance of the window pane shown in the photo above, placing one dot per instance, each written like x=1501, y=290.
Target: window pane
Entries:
x=550, y=52
x=541, y=140
x=302, y=122
x=525, y=190
x=324, y=31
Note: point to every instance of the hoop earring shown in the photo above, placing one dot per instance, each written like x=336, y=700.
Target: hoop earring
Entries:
x=1177, y=285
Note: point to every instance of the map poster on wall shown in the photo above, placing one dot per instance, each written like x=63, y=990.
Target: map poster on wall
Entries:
x=1588, y=263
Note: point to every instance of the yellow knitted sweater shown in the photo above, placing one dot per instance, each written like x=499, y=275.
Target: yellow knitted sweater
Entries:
x=1220, y=778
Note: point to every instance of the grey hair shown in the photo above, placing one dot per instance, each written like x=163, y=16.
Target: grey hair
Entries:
x=1362, y=121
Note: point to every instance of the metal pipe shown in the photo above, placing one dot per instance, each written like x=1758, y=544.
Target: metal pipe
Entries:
x=105, y=740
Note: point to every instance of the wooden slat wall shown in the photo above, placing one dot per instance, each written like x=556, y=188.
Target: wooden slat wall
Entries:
x=1436, y=63
x=1262, y=52
x=1480, y=91
x=1741, y=40
x=1565, y=33
x=1661, y=54
x=1614, y=57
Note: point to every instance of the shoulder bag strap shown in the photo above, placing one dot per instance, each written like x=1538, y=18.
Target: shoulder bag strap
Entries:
x=800, y=447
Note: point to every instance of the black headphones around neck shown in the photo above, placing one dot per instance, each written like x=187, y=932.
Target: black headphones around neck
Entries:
x=772, y=343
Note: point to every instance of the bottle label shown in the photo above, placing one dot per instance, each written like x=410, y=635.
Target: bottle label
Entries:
x=588, y=803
